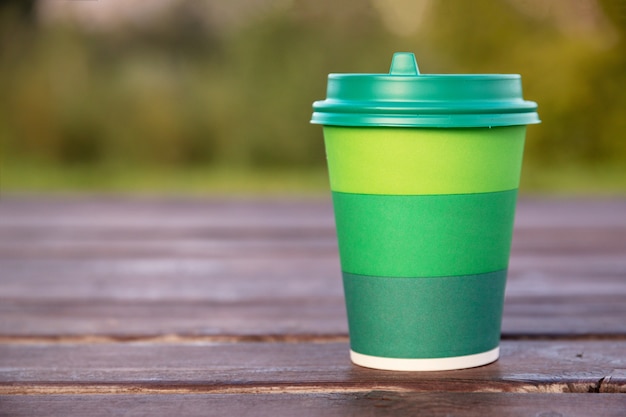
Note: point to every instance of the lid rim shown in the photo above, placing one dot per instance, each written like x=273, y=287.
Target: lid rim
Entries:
x=405, y=97
x=417, y=121
x=430, y=107
x=376, y=75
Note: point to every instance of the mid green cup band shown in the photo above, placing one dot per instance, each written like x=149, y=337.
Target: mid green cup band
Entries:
x=431, y=235
x=395, y=160
x=424, y=317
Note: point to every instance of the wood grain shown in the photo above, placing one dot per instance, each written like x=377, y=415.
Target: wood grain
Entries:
x=123, y=228
x=296, y=295
x=524, y=366
x=158, y=306
x=536, y=317
x=130, y=268
x=126, y=244
x=375, y=403
x=247, y=213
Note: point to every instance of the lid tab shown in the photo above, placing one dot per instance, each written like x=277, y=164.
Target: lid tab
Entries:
x=403, y=63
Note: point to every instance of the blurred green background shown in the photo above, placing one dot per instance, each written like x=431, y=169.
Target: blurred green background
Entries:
x=192, y=96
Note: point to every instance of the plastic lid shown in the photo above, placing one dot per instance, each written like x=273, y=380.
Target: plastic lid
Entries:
x=404, y=97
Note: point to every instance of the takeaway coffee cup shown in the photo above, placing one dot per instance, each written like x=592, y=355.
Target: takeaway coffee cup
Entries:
x=424, y=172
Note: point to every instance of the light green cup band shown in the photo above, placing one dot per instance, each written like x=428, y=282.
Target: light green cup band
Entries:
x=424, y=317
x=394, y=160
x=432, y=235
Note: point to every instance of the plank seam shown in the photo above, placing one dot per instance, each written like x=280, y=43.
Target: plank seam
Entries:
x=525, y=387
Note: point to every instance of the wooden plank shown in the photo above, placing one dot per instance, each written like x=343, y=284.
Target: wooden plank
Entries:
x=572, y=241
x=304, y=317
x=189, y=283
x=139, y=298
x=171, y=212
x=170, y=279
x=266, y=247
x=63, y=214
x=614, y=383
x=298, y=242
x=243, y=278
x=564, y=316
x=57, y=237
x=376, y=403
x=94, y=246
x=100, y=227
x=560, y=212
x=533, y=239
x=524, y=366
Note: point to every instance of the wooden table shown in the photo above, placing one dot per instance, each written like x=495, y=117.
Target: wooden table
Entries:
x=175, y=307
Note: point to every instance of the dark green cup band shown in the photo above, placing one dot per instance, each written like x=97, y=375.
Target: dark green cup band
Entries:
x=424, y=235
x=424, y=317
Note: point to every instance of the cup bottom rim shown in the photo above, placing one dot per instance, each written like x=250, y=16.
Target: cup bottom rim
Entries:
x=425, y=364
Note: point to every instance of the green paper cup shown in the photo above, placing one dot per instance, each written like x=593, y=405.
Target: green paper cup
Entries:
x=424, y=172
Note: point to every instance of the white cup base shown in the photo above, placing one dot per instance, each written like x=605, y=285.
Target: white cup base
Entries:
x=430, y=364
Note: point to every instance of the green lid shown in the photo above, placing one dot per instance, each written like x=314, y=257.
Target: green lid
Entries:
x=404, y=97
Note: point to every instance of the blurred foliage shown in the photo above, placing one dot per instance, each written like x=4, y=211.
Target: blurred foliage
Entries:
x=182, y=91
